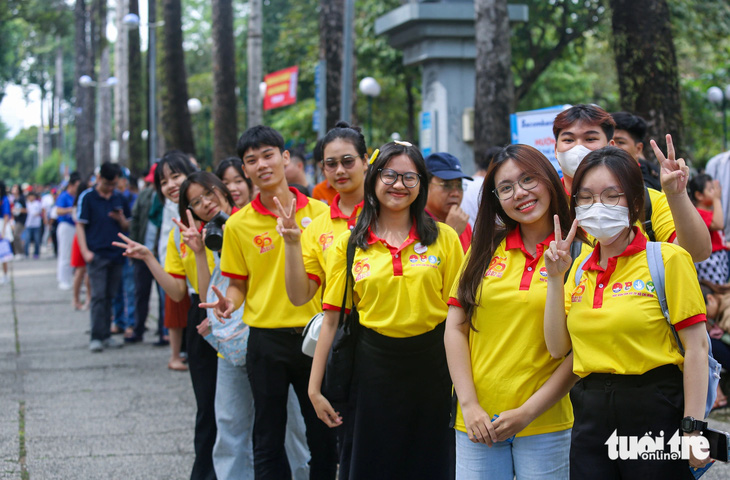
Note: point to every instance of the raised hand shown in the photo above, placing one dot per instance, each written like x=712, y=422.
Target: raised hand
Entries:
x=457, y=219
x=191, y=236
x=222, y=308
x=132, y=249
x=674, y=173
x=557, y=256
x=286, y=224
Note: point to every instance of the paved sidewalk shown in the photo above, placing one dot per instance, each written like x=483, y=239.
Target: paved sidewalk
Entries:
x=66, y=413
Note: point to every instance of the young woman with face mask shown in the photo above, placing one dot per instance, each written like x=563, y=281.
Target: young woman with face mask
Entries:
x=403, y=268
x=633, y=379
x=514, y=415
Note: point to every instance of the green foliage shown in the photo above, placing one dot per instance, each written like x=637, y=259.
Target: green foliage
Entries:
x=49, y=173
x=18, y=156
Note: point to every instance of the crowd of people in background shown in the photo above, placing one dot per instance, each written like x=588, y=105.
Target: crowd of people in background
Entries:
x=473, y=355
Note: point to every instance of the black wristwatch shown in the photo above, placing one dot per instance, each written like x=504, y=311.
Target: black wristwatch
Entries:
x=689, y=425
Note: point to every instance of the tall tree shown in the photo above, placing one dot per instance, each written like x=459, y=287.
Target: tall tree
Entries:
x=331, y=13
x=176, y=126
x=254, y=56
x=647, y=66
x=85, y=114
x=225, y=128
x=104, y=109
x=137, y=159
x=494, y=86
x=121, y=91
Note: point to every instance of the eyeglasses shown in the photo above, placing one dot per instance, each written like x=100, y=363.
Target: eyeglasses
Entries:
x=198, y=201
x=450, y=186
x=507, y=190
x=389, y=176
x=609, y=197
x=330, y=164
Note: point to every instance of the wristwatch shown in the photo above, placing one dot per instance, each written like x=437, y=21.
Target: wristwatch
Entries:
x=689, y=425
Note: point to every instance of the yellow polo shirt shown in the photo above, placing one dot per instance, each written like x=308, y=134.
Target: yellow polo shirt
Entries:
x=509, y=358
x=321, y=235
x=180, y=261
x=399, y=291
x=614, y=319
x=254, y=252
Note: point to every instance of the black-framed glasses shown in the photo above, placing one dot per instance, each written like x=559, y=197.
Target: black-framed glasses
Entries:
x=198, y=201
x=507, y=190
x=347, y=161
x=451, y=186
x=609, y=197
x=389, y=176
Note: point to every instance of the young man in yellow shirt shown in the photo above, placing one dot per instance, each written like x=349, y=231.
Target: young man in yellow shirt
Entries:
x=253, y=258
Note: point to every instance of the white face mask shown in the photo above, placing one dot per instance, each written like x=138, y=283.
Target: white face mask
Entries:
x=604, y=223
x=570, y=160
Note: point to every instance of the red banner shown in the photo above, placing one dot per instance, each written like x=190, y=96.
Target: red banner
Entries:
x=281, y=88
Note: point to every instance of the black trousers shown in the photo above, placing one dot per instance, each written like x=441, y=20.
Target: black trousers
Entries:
x=273, y=361
x=402, y=401
x=203, y=366
x=631, y=405
x=143, y=284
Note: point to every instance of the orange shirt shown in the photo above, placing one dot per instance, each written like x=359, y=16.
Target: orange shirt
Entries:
x=324, y=191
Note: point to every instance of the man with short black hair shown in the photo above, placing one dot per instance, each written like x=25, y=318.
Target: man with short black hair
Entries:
x=629, y=136
x=102, y=214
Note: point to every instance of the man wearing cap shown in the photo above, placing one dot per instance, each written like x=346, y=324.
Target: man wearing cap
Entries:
x=445, y=192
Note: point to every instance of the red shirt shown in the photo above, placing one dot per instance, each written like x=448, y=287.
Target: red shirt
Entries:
x=716, y=236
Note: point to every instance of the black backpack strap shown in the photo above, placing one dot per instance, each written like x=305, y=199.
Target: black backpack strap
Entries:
x=350, y=282
x=575, y=247
x=648, y=227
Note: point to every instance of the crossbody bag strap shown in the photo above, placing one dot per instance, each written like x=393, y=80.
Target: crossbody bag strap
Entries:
x=648, y=226
x=656, y=270
x=349, y=282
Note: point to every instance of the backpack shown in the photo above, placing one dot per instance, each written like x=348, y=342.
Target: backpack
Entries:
x=656, y=271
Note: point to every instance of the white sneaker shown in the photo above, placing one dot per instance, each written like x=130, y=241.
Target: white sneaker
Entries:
x=96, y=346
x=64, y=286
x=112, y=343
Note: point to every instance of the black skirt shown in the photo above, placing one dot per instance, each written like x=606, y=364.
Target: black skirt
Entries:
x=402, y=393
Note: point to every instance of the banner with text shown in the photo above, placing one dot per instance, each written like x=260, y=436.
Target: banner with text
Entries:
x=535, y=128
x=281, y=88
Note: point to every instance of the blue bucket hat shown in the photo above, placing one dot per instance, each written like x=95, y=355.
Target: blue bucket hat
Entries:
x=446, y=166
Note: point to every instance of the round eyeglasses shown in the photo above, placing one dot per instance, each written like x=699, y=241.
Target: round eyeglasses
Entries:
x=389, y=176
x=609, y=197
x=505, y=191
x=198, y=201
x=347, y=161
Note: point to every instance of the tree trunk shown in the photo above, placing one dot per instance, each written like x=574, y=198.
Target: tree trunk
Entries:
x=121, y=91
x=647, y=67
x=138, y=163
x=58, y=94
x=175, y=122
x=494, y=86
x=225, y=128
x=255, y=64
x=331, y=17
x=104, y=105
x=84, y=96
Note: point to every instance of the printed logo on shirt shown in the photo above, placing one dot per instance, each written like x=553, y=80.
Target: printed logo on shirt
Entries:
x=650, y=287
x=543, y=272
x=496, y=267
x=305, y=222
x=627, y=286
x=418, y=248
x=264, y=242
x=617, y=287
x=325, y=240
x=183, y=250
x=635, y=288
x=638, y=285
x=361, y=269
x=424, y=260
x=577, y=295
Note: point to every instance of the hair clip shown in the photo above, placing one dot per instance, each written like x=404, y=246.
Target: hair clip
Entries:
x=374, y=156
x=402, y=143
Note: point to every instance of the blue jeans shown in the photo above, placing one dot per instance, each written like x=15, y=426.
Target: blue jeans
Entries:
x=531, y=457
x=124, y=301
x=34, y=236
x=233, y=450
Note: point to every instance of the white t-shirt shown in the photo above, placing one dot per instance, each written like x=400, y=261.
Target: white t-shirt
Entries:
x=472, y=198
x=48, y=202
x=35, y=214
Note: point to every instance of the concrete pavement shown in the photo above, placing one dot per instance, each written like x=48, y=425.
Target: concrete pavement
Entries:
x=66, y=413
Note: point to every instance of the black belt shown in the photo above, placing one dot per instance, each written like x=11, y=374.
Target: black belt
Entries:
x=289, y=330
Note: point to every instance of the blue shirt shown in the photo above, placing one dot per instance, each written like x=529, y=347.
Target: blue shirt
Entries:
x=101, y=229
x=5, y=207
x=65, y=200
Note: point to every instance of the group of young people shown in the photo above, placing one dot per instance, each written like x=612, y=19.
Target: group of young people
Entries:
x=463, y=362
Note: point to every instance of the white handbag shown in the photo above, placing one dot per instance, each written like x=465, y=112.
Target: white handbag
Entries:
x=311, y=334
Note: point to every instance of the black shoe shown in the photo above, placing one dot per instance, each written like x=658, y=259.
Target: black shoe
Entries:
x=133, y=339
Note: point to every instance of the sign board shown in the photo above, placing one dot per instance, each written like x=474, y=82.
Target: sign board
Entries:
x=535, y=128
x=427, y=134
x=281, y=88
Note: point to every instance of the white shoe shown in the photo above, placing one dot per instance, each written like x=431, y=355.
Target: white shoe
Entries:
x=4, y=280
x=112, y=343
x=96, y=346
x=64, y=286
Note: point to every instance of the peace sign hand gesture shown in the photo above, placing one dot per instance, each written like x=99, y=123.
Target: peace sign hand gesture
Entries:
x=222, y=308
x=674, y=172
x=132, y=249
x=191, y=236
x=557, y=256
x=286, y=224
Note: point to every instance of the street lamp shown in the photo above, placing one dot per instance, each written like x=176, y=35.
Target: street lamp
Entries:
x=370, y=88
x=721, y=99
x=131, y=20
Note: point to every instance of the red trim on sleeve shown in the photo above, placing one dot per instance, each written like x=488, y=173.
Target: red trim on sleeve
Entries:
x=672, y=237
x=454, y=302
x=233, y=275
x=327, y=306
x=315, y=278
x=688, y=322
x=177, y=275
